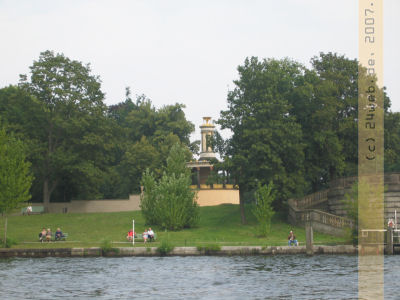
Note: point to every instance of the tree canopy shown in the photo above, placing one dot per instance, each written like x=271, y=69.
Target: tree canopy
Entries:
x=78, y=147
x=15, y=175
x=297, y=126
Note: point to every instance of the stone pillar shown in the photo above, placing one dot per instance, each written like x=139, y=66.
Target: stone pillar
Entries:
x=389, y=242
x=309, y=235
x=207, y=130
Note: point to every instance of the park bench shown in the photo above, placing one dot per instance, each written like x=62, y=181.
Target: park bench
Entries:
x=63, y=238
x=53, y=237
x=139, y=238
x=35, y=210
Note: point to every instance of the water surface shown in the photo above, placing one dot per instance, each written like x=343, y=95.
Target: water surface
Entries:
x=254, y=277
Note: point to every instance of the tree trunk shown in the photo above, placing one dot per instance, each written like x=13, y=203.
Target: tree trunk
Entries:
x=242, y=214
x=48, y=188
x=46, y=195
x=5, y=232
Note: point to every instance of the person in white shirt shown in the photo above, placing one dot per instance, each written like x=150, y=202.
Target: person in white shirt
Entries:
x=150, y=234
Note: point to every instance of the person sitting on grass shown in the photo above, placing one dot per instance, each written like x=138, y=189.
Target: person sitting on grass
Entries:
x=130, y=235
x=150, y=234
x=292, y=239
x=58, y=235
x=145, y=236
x=48, y=235
x=42, y=235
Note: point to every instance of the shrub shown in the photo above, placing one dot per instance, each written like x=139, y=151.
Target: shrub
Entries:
x=209, y=249
x=165, y=248
x=9, y=242
x=170, y=202
x=107, y=248
x=263, y=210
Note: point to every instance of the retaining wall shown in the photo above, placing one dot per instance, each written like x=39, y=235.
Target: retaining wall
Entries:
x=212, y=197
x=205, y=197
x=178, y=251
x=95, y=206
x=331, y=202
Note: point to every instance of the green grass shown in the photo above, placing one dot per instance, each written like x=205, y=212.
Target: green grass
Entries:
x=218, y=225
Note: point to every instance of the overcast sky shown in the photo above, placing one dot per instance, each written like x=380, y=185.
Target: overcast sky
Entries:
x=184, y=51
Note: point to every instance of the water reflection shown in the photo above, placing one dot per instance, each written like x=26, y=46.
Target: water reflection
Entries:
x=257, y=277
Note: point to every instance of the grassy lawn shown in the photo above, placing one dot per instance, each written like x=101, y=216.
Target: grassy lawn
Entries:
x=218, y=225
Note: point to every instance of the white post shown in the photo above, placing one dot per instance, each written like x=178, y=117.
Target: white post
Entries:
x=133, y=232
x=395, y=218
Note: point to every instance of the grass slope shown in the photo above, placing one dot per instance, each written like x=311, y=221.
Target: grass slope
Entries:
x=218, y=225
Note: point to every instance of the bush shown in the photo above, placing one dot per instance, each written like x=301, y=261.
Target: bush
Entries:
x=170, y=202
x=263, y=210
x=209, y=249
x=107, y=248
x=165, y=248
x=9, y=242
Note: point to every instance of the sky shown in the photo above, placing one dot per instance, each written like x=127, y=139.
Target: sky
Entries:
x=184, y=51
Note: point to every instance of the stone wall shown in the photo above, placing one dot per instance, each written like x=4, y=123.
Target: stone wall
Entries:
x=340, y=187
x=95, y=206
x=212, y=197
x=177, y=251
x=205, y=197
x=331, y=200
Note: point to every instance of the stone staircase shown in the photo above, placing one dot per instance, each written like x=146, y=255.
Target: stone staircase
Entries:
x=327, y=211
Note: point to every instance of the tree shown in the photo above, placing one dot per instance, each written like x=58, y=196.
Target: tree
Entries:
x=169, y=202
x=146, y=136
x=392, y=142
x=72, y=139
x=15, y=175
x=137, y=158
x=316, y=108
x=339, y=77
x=267, y=141
x=263, y=210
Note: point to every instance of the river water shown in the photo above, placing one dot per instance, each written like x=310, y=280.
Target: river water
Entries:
x=207, y=277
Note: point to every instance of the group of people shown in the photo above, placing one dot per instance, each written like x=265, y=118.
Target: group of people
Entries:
x=148, y=235
x=45, y=235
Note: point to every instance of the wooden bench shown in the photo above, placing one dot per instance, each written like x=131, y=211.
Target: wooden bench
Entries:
x=35, y=210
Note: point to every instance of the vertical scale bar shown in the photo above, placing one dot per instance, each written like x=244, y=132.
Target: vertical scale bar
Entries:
x=370, y=150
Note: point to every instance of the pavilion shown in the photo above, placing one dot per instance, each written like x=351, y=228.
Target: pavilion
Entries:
x=214, y=194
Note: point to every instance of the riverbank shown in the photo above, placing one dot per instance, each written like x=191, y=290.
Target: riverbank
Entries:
x=177, y=251
x=219, y=225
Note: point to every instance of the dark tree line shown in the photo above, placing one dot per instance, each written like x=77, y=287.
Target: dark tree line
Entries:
x=291, y=125
x=79, y=147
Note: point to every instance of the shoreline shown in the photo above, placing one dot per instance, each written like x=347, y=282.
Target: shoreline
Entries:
x=177, y=251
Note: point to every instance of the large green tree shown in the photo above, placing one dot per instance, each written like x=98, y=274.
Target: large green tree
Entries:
x=70, y=144
x=146, y=137
x=15, y=175
x=339, y=76
x=267, y=141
